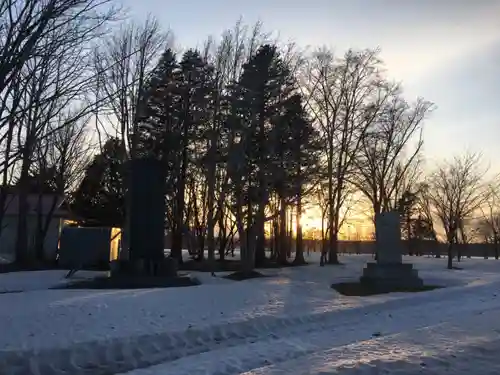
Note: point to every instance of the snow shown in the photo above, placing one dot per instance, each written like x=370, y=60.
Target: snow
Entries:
x=289, y=323
x=15, y=282
x=468, y=347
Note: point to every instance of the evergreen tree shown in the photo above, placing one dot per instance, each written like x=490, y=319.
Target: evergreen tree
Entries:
x=257, y=101
x=157, y=118
x=300, y=167
x=177, y=108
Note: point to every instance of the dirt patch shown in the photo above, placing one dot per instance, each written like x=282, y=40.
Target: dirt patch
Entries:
x=240, y=275
x=358, y=289
x=131, y=283
x=11, y=291
x=230, y=265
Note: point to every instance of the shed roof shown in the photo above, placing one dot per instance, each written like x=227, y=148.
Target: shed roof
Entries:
x=37, y=204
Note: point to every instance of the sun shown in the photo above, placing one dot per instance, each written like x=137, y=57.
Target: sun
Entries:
x=311, y=222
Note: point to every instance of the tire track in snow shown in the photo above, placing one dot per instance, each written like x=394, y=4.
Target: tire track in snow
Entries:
x=274, y=350
x=461, y=349
x=121, y=355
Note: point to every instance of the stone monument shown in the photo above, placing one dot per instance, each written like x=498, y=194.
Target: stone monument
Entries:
x=389, y=272
x=145, y=227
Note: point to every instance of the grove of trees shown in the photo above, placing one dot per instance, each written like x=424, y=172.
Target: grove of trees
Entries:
x=250, y=131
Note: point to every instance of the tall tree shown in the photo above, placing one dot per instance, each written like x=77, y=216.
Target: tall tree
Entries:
x=344, y=95
x=388, y=157
x=60, y=160
x=297, y=147
x=227, y=56
x=456, y=191
x=177, y=108
x=257, y=100
x=489, y=222
x=44, y=69
x=123, y=64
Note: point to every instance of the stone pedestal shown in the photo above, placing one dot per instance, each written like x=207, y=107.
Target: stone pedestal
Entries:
x=166, y=267
x=391, y=276
x=389, y=272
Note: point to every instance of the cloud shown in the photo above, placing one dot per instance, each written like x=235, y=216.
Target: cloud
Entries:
x=415, y=51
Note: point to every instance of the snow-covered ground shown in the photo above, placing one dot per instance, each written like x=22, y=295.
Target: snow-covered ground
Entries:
x=289, y=323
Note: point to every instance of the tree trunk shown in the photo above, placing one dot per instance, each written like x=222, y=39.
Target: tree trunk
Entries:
x=496, y=247
x=290, y=234
x=211, y=213
x=177, y=235
x=260, y=241
x=332, y=231
x=23, y=255
x=5, y=176
x=333, y=257
x=299, y=246
x=450, y=255
x=323, y=241
x=249, y=243
x=282, y=234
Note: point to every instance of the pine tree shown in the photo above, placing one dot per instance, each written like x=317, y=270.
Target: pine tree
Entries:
x=195, y=110
x=257, y=99
x=296, y=165
x=157, y=137
x=177, y=107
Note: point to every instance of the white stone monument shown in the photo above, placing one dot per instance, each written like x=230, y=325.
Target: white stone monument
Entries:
x=388, y=245
x=389, y=272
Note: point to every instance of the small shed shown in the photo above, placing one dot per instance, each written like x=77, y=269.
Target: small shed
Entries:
x=89, y=247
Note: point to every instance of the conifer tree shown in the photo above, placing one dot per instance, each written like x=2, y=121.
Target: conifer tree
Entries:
x=258, y=99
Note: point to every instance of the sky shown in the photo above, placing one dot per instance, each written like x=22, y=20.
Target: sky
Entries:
x=447, y=51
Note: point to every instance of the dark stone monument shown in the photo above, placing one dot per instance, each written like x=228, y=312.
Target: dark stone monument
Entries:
x=144, y=265
x=145, y=227
x=146, y=210
x=389, y=272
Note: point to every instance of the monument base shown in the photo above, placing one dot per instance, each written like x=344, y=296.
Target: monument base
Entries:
x=133, y=274
x=391, y=276
x=166, y=267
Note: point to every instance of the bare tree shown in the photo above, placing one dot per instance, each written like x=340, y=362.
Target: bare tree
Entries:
x=456, y=191
x=388, y=161
x=488, y=224
x=30, y=31
x=227, y=56
x=60, y=161
x=24, y=23
x=44, y=68
x=50, y=89
x=345, y=97
x=67, y=151
x=123, y=64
